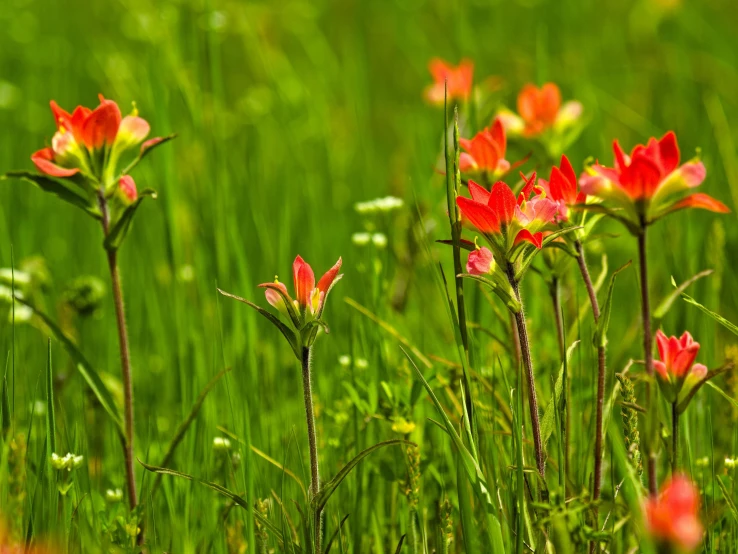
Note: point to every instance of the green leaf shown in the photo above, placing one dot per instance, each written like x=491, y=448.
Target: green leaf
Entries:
x=717, y=317
x=600, y=209
x=329, y=545
x=600, y=336
x=327, y=490
x=728, y=497
x=145, y=152
x=288, y=333
x=665, y=305
x=471, y=466
x=57, y=188
x=723, y=394
x=684, y=402
x=238, y=500
x=182, y=429
x=548, y=422
x=123, y=224
x=506, y=293
x=83, y=366
x=4, y=403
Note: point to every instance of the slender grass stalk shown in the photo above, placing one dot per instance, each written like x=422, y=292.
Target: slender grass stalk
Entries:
x=647, y=359
x=125, y=359
x=453, y=183
x=601, y=369
x=522, y=332
x=674, y=437
x=307, y=390
x=556, y=301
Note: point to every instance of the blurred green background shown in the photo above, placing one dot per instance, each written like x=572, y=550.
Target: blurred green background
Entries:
x=287, y=114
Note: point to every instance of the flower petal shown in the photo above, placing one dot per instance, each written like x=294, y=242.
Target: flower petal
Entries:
x=478, y=192
x=480, y=262
x=502, y=202
x=304, y=280
x=128, y=188
x=480, y=215
x=669, y=152
x=327, y=279
x=100, y=127
x=525, y=235
x=702, y=201
x=43, y=160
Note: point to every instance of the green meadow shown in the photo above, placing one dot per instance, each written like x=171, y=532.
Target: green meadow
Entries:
x=289, y=117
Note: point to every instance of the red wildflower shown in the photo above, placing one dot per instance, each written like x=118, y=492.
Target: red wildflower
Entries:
x=457, y=79
x=676, y=370
x=309, y=298
x=650, y=181
x=672, y=518
x=82, y=135
x=540, y=109
x=486, y=151
x=505, y=221
x=563, y=188
x=481, y=261
x=127, y=187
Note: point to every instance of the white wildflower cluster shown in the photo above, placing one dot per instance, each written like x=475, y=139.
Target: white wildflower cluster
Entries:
x=221, y=444
x=68, y=462
x=113, y=495
x=731, y=463
x=379, y=240
x=379, y=205
x=346, y=361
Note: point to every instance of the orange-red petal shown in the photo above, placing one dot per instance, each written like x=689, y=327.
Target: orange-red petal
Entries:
x=44, y=161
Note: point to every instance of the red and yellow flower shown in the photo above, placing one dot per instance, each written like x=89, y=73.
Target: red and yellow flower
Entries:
x=507, y=222
x=456, y=82
x=650, y=182
x=309, y=299
x=677, y=371
x=672, y=519
x=541, y=110
x=485, y=153
x=90, y=142
x=563, y=188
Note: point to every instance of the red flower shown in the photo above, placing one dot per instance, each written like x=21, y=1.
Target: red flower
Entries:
x=672, y=518
x=650, y=180
x=127, y=187
x=457, y=79
x=486, y=151
x=563, y=188
x=309, y=298
x=82, y=135
x=539, y=107
x=676, y=370
x=505, y=221
x=481, y=261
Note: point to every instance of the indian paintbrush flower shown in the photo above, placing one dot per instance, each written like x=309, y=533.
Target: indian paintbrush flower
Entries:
x=507, y=222
x=457, y=79
x=563, y=188
x=677, y=371
x=540, y=110
x=90, y=142
x=672, y=519
x=649, y=183
x=485, y=152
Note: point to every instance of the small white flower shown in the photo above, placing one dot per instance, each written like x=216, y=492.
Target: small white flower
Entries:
x=379, y=240
x=221, y=444
x=361, y=239
x=361, y=363
x=344, y=360
x=113, y=495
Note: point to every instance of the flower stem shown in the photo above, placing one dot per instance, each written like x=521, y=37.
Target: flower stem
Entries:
x=125, y=359
x=601, y=368
x=556, y=300
x=674, y=438
x=647, y=358
x=307, y=390
x=528, y=365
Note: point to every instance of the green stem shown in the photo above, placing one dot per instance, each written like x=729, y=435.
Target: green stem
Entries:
x=647, y=358
x=601, y=369
x=307, y=390
x=528, y=366
x=125, y=359
x=674, y=438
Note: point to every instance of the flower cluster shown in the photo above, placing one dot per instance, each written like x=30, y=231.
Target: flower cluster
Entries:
x=677, y=371
x=447, y=79
x=90, y=142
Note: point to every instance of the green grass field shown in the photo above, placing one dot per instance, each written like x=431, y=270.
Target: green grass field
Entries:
x=287, y=115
